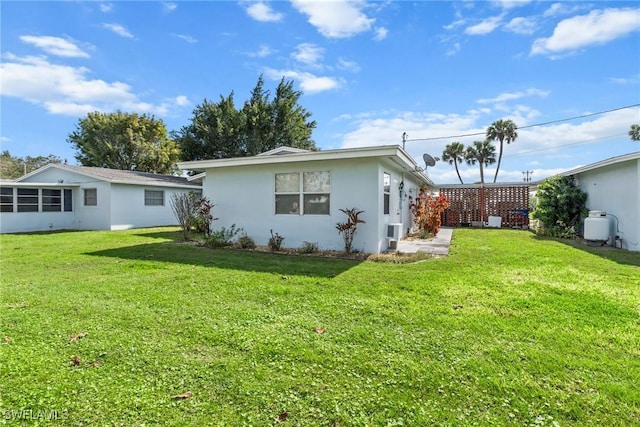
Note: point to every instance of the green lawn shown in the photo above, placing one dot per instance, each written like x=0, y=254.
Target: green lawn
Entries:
x=510, y=329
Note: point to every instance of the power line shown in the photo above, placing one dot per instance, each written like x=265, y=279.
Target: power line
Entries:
x=523, y=127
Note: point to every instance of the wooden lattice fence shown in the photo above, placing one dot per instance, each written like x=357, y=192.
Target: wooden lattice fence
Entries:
x=472, y=205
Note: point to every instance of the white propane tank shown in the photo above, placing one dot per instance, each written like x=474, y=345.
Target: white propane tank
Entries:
x=596, y=226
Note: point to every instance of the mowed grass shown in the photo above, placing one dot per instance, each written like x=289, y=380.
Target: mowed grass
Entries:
x=509, y=329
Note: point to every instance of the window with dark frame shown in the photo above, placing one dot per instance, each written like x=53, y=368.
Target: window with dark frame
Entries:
x=6, y=199
x=387, y=193
x=27, y=200
x=153, y=198
x=51, y=200
x=68, y=201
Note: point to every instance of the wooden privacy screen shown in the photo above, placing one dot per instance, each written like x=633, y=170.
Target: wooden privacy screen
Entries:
x=471, y=204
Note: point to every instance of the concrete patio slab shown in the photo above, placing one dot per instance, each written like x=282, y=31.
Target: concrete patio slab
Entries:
x=439, y=245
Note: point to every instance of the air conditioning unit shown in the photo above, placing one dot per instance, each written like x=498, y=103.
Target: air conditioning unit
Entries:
x=394, y=231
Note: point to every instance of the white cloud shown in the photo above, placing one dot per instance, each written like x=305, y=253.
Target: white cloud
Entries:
x=118, y=29
x=66, y=90
x=524, y=26
x=454, y=49
x=511, y=96
x=540, y=144
x=485, y=27
x=187, y=38
x=381, y=34
x=510, y=4
x=308, y=53
x=106, y=7
x=346, y=65
x=56, y=46
x=169, y=7
x=596, y=28
x=336, y=19
x=261, y=11
x=262, y=52
x=309, y=83
x=182, y=100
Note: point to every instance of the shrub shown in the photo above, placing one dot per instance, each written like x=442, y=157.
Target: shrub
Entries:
x=275, y=241
x=203, y=216
x=559, y=205
x=348, y=229
x=183, y=206
x=427, y=210
x=246, y=242
x=309, y=247
x=223, y=237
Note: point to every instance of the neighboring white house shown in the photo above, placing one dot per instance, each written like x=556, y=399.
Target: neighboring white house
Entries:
x=613, y=186
x=64, y=197
x=298, y=194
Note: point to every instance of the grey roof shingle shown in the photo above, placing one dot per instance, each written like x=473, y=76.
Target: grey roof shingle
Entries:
x=130, y=177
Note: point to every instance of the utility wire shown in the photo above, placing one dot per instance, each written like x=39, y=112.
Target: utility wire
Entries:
x=526, y=127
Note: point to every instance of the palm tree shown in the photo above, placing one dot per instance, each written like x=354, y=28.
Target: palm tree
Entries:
x=502, y=130
x=482, y=152
x=634, y=132
x=452, y=154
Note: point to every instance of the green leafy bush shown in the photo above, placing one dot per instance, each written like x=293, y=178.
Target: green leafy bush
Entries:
x=559, y=206
x=246, y=242
x=309, y=247
x=223, y=237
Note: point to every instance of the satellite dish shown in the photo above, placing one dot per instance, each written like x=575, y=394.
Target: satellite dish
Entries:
x=428, y=160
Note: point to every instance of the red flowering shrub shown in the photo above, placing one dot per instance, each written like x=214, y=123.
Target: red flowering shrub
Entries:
x=427, y=210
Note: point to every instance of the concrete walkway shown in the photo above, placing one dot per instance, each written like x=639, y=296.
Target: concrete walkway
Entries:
x=439, y=245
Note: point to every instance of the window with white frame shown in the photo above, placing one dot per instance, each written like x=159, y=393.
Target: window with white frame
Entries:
x=386, y=193
x=153, y=198
x=303, y=193
x=90, y=197
x=6, y=199
x=51, y=200
x=28, y=199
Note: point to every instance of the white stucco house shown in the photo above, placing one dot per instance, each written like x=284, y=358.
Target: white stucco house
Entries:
x=299, y=193
x=64, y=197
x=613, y=186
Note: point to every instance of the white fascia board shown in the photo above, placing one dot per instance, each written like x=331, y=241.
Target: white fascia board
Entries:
x=38, y=184
x=340, y=154
x=602, y=163
x=393, y=152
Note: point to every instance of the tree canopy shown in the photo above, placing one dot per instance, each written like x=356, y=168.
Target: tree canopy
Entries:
x=634, y=132
x=454, y=154
x=219, y=130
x=125, y=141
x=503, y=131
x=14, y=167
x=481, y=152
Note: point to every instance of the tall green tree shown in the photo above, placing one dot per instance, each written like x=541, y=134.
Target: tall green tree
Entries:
x=454, y=154
x=215, y=131
x=125, y=141
x=258, y=127
x=12, y=167
x=634, y=132
x=291, y=125
x=481, y=152
x=502, y=131
x=219, y=130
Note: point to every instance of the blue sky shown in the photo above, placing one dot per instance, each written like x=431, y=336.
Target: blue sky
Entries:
x=369, y=71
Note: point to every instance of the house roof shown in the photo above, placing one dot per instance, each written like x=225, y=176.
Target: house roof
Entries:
x=119, y=176
x=603, y=163
x=394, y=153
